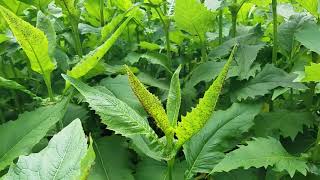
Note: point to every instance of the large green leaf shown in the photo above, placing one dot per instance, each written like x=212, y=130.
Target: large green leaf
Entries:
x=312, y=73
x=245, y=57
x=32, y=40
x=310, y=5
x=91, y=60
x=269, y=78
x=9, y=84
x=113, y=160
x=219, y=135
x=174, y=98
x=45, y=25
x=262, y=152
x=19, y=136
x=310, y=38
x=61, y=159
x=193, y=17
x=119, y=117
x=286, y=123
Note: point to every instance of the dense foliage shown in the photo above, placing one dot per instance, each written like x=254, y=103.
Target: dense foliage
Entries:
x=159, y=89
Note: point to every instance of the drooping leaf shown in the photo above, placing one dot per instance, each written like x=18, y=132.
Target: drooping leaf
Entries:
x=150, y=102
x=113, y=159
x=155, y=170
x=21, y=135
x=193, y=17
x=91, y=60
x=119, y=117
x=9, y=84
x=269, y=78
x=197, y=118
x=222, y=131
x=310, y=38
x=109, y=28
x=312, y=73
x=61, y=159
x=32, y=40
x=286, y=123
x=245, y=57
x=174, y=98
x=262, y=152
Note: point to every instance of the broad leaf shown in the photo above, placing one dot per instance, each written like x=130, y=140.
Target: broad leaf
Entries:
x=19, y=136
x=45, y=25
x=9, y=84
x=312, y=73
x=113, y=159
x=87, y=161
x=245, y=57
x=193, y=17
x=150, y=102
x=310, y=38
x=40, y=4
x=286, y=123
x=61, y=159
x=32, y=40
x=119, y=117
x=197, y=118
x=269, y=78
x=311, y=6
x=174, y=98
x=219, y=135
x=262, y=152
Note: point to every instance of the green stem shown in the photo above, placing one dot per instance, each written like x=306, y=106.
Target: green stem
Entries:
x=234, y=24
x=170, y=168
x=101, y=12
x=220, y=25
x=76, y=35
x=275, y=31
x=47, y=80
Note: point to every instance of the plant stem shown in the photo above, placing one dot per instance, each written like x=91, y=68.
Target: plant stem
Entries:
x=234, y=24
x=275, y=31
x=220, y=25
x=76, y=35
x=170, y=168
x=101, y=12
x=47, y=80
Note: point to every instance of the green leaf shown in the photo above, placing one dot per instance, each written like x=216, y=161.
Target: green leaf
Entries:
x=151, y=103
x=40, y=4
x=155, y=170
x=88, y=161
x=21, y=135
x=238, y=174
x=310, y=5
x=262, y=152
x=287, y=123
x=61, y=159
x=197, y=118
x=312, y=73
x=124, y=5
x=111, y=26
x=32, y=40
x=193, y=17
x=269, y=78
x=120, y=88
x=91, y=60
x=9, y=84
x=310, y=38
x=113, y=159
x=119, y=117
x=224, y=128
x=45, y=25
x=287, y=31
x=245, y=57
x=174, y=98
